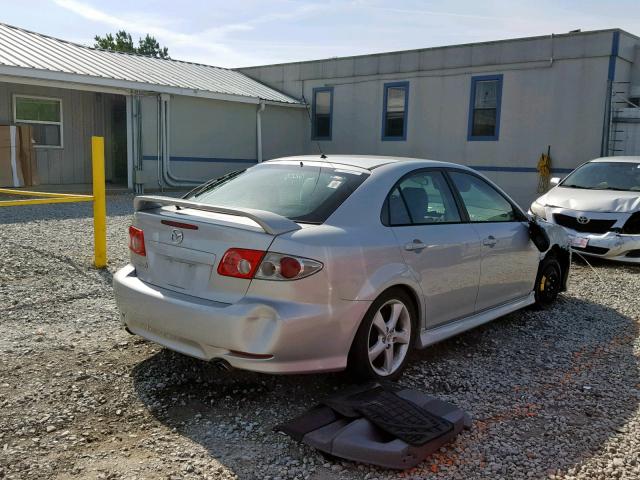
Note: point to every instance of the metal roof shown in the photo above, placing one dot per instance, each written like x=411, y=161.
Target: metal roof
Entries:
x=28, y=54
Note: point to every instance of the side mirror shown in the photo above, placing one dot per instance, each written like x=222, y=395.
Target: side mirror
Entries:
x=554, y=181
x=539, y=236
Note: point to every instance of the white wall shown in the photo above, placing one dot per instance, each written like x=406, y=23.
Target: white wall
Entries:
x=208, y=138
x=558, y=103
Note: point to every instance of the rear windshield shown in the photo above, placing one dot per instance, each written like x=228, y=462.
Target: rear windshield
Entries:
x=623, y=176
x=302, y=193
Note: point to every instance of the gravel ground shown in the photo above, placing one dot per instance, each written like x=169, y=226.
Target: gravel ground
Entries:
x=553, y=394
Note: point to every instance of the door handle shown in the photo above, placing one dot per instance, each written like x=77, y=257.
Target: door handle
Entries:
x=490, y=241
x=415, y=245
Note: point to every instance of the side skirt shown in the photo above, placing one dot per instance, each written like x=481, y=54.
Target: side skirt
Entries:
x=437, y=334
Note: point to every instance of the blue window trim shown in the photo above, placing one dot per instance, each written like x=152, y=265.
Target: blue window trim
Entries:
x=313, y=113
x=472, y=101
x=387, y=86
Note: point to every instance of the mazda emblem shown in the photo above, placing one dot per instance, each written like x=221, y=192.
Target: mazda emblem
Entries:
x=583, y=220
x=177, y=236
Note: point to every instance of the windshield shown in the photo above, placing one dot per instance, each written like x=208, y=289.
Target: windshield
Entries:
x=302, y=193
x=605, y=176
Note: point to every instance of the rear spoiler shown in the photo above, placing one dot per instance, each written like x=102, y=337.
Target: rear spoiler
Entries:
x=271, y=223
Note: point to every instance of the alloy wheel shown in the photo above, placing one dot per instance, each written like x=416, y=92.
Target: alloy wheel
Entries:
x=389, y=337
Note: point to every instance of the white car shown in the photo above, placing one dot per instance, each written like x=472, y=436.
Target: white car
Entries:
x=598, y=204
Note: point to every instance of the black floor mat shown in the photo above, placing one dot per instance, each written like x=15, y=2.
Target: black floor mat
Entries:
x=392, y=414
x=405, y=420
x=384, y=425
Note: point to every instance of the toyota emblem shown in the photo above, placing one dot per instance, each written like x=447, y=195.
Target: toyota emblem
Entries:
x=177, y=236
x=583, y=220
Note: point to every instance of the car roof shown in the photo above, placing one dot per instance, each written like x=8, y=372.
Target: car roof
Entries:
x=368, y=162
x=627, y=159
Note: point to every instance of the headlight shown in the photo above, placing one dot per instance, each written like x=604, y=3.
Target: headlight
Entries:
x=538, y=210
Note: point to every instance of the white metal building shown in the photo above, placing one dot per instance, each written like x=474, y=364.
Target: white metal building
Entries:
x=164, y=121
x=495, y=106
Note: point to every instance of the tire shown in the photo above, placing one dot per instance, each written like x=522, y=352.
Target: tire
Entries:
x=548, y=282
x=381, y=347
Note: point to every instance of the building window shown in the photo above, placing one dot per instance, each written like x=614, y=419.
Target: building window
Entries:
x=45, y=117
x=394, y=114
x=484, y=107
x=322, y=113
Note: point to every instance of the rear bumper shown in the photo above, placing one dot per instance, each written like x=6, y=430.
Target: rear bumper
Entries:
x=293, y=337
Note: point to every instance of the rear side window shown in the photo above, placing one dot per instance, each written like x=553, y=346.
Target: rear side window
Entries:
x=483, y=202
x=420, y=199
x=302, y=193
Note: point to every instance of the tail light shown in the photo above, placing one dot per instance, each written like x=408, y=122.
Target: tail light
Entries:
x=136, y=241
x=278, y=266
x=240, y=262
x=244, y=263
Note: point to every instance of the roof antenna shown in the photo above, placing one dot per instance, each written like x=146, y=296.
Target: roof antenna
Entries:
x=306, y=106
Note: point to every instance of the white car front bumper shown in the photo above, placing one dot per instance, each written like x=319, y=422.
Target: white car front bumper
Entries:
x=610, y=245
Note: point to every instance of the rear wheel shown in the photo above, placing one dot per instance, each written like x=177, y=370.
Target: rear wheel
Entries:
x=548, y=282
x=384, y=339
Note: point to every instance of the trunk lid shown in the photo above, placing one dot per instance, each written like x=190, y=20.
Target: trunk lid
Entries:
x=185, y=245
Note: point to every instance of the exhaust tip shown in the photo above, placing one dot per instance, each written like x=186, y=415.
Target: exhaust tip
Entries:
x=221, y=364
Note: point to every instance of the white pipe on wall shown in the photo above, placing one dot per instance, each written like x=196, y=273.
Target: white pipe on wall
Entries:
x=261, y=108
x=129, y=115
x=165, y=159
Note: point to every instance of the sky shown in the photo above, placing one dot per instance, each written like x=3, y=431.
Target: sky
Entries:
x=241, y=33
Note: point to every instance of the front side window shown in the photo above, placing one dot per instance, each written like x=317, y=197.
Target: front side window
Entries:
x=623, y=176
x=420, y=199
x=394, y=116
x=322, y=113
x=483, y=202
x=484, y=108
x=45, y=117
x=303, y=193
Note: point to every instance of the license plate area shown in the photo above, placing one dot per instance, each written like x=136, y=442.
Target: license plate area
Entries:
x=181, y=274
x=580, y=242
x=176, y=268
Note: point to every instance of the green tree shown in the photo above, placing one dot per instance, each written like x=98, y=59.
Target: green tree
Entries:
x=122, y=42
x=149, y=46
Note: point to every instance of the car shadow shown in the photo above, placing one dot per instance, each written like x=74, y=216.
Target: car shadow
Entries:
x=536, y=380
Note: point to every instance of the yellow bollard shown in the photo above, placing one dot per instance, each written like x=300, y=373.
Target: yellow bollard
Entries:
x=99, y=203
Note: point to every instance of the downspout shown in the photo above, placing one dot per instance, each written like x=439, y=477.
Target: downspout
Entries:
x=611, y=74
x=261, y=108
x=128, y=99
x=139, y=186
x=159, y=144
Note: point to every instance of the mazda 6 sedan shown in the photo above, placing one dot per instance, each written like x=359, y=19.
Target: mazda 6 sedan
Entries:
x=598, y=204
x=314, y=263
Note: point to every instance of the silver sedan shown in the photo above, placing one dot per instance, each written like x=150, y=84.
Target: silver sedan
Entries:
x=308, y=264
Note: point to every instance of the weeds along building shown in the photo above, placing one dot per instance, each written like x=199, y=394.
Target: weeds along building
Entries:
x=495, y=106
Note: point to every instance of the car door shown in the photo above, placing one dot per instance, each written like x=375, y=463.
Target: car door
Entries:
x=442, y=251
x=509, y=257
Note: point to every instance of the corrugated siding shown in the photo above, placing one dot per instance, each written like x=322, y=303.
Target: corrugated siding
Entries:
x=21, y=48
x=83, y=114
